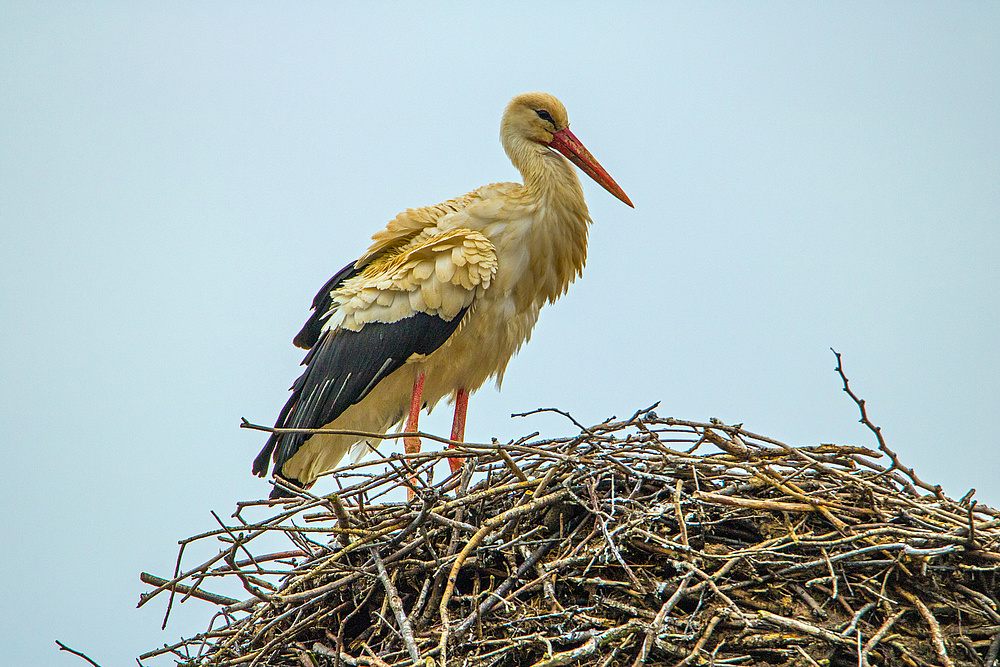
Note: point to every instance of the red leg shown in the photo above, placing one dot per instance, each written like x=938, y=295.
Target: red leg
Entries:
x=458, y=426
x=412, y=443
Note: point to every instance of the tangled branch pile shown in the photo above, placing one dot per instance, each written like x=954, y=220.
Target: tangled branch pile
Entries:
x=621, y=545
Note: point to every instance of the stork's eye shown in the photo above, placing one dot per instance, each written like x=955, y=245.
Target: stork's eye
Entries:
x=545, y=115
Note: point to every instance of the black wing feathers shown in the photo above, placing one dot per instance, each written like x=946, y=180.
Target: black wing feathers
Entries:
x=321, y=308
x=342, y=368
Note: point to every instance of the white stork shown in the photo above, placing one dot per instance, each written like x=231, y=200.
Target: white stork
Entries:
x=442, y=300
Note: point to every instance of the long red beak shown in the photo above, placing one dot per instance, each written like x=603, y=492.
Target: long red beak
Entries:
x=566, y=143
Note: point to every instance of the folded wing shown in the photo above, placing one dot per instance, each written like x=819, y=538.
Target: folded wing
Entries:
x=370, y=321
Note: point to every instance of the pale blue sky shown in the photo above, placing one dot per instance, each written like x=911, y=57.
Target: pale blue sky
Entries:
x=177, y=180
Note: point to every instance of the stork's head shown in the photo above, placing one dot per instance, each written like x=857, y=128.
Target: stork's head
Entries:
x=536, y=117
x=540, y=119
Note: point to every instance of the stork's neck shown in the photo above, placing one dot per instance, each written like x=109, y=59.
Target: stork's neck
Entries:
x=549, y=179
x=558, y=237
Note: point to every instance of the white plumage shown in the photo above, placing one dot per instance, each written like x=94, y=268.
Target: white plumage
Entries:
x=442, y=299
x=438, y=275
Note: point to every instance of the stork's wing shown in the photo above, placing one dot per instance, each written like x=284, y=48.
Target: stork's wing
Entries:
x=409, y=228
x=407, y=225
x=310, y=333
x=400, y=305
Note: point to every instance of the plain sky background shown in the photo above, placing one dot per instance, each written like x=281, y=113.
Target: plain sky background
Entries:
x=178, y=179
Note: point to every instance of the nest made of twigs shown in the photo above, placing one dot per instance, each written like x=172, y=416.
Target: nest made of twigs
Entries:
x=626, y=544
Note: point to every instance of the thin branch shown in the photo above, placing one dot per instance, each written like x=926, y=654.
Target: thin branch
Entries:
x=153, y=580
x=932, y=623
x=879, y=636
x=558, y=412
x=63, y=647
x=909, y=472
x=403, y=623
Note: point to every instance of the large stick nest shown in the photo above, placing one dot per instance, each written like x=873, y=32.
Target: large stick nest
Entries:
x=645, y=541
